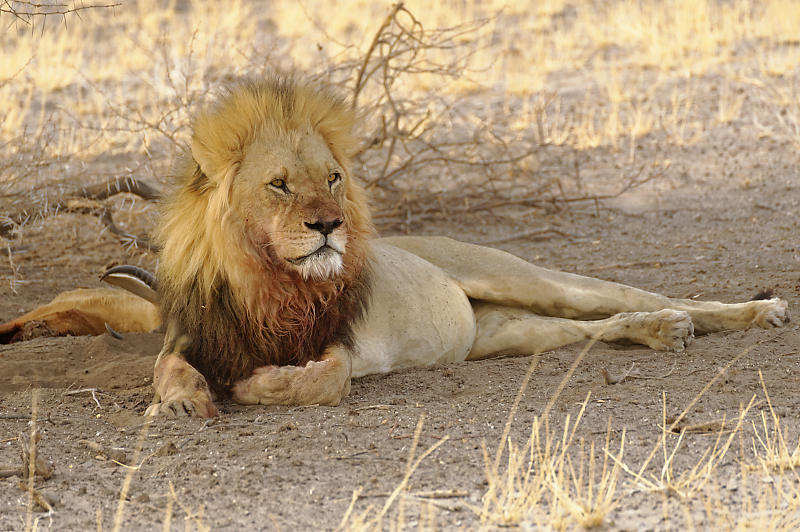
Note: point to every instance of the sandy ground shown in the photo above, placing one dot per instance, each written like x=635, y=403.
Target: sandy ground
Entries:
x=721, y=224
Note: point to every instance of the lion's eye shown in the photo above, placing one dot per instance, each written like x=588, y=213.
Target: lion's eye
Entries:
x=280, y=184
x=334, y=177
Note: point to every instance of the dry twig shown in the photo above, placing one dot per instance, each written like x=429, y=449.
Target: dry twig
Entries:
x=32, y=461
x=114, y=454
x=37, y=497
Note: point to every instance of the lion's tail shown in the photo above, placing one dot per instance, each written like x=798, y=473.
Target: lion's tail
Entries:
x=135, y=280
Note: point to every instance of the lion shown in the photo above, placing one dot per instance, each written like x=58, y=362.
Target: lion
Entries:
x=272, y=287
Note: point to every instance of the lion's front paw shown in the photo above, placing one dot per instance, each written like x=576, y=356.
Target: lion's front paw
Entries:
x=317, y=382
x=771, y=313
x=672, y=330
x=267, y=385
x=183, y=407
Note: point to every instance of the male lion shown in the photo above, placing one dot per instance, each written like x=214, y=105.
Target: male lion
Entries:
x=273, y=290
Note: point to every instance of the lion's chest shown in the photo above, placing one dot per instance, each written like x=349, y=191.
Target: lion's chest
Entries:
x=227, y=345
x=417, y=316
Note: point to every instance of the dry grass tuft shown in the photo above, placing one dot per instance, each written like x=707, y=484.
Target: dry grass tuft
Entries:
x=372, y=519
x=687, y=482
x=590, y=500
x=544, y=482
x=771, y=447
x=547, y=483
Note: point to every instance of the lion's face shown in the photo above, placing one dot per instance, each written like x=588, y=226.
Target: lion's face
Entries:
x=293, y=192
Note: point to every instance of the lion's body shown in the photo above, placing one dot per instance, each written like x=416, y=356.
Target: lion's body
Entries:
x=273, y=290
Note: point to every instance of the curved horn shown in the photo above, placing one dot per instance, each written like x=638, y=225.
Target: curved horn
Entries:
x=133, y=279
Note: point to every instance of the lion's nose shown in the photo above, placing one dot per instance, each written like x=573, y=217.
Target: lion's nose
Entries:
x=325, y=227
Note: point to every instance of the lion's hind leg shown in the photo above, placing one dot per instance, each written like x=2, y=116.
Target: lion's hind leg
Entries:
x=494, y=276
x=508, y=330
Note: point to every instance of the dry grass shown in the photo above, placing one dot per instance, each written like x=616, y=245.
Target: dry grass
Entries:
x=773, y=451
x=541, y=485
x=547, y=482
x=690, y=481
x=372, y=519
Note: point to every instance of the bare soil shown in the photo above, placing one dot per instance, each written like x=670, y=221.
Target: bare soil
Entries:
x=721, y=225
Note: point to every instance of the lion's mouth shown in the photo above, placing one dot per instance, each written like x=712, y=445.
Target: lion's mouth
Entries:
x=321, y=251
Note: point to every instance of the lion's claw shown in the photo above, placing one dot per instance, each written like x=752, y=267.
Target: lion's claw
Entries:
x=182, y=408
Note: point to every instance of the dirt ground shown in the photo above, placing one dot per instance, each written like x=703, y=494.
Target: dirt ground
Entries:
x=721, y=224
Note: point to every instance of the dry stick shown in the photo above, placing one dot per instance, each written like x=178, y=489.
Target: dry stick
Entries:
x=38, y=498
x=126, y=484
x=637, y=264
x=115, y=454
x=608, y=379
x=611, y=380
x=525, y=234
x=57, y=9
x=93, y=391
x=25, y=417
x=28, y=449
x=114, y=186
x=10, y=471
x=98, y=192
x=635, y=180
x=32, y=459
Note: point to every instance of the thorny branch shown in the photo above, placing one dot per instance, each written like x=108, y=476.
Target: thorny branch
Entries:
x=424, y=156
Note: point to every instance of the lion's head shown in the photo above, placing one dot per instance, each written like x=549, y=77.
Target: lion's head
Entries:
x=292, y=193
x=266, y=228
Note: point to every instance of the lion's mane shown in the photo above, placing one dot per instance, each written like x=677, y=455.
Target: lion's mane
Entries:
x=238, y=310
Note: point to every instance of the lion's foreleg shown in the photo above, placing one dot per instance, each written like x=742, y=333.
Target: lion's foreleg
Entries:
x=324, y=382
x=180, y=390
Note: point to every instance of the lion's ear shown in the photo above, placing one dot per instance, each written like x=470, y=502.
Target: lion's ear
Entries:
x=210, y=163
